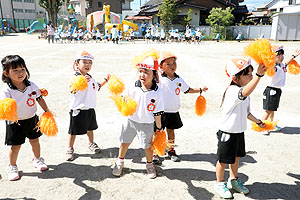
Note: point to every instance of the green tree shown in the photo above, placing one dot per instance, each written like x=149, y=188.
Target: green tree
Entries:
x=219, y=19
x=188, y=18
x=52, y=7
x=167, y=12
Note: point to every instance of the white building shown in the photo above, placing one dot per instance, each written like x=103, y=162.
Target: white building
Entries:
x=284, y=6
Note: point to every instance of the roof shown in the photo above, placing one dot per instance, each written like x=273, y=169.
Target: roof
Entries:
x=138, y=18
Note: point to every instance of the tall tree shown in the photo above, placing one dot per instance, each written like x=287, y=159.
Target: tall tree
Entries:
x=167, y=12
x=52, y=7
x=219, y=19
x=188, y=18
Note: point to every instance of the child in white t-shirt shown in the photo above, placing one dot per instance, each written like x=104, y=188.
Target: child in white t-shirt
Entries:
x=26, y=93
x=150, y=106
x=273, y=91
x=236, y=110
x=82, y=106
x=172, y=85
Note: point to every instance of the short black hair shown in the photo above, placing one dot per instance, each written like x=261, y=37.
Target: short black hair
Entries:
x=13, y=62
x=280, y=52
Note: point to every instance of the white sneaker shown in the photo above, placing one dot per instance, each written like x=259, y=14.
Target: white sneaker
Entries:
x=39, y=164
x=151, y=170
x=12, y=173
x=117, y=170
x=222, y=190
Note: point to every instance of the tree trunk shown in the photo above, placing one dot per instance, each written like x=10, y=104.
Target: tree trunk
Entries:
x=52, y=12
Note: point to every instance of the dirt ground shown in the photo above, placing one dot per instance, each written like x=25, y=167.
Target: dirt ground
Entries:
x=270, y=170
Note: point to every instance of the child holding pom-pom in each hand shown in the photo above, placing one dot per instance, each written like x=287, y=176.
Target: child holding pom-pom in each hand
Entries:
x=236, y=111
x=150, y=105
x=26, y=94
x=83, y=103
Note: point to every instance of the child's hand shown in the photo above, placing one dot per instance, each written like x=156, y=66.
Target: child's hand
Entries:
x=204, y=89
x=261, y=69
x=108, y=77
x=262, y=125
x=87, y=77
x=297, y=52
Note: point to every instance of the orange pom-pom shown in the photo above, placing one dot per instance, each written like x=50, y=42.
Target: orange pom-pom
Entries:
x=47, y=124
x=115, y=85
x=200, y=105
x=8, y=109
x=261, y=51
x=269, y=126
x=271, y=72
x=44, y=92
x=159, y=142
x=126, y=105
x=294, y=67
x=79, y=83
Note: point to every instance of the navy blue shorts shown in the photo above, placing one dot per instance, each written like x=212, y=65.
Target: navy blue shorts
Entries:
x=171, y=120
x=271, y=98
x=82, y=121
x=16, y=133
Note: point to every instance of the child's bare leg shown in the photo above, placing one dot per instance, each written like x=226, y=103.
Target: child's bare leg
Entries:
x=220, y=170
x=171, y=138
x=269, y=115
x=90, y=135
x=149, y=154
x=36, y=148
x=13, y=154
x=71, y=140
x=123, y=150
x=233, y=168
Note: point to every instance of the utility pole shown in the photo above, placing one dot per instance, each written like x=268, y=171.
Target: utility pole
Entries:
x=1, y=11
x=13, y=14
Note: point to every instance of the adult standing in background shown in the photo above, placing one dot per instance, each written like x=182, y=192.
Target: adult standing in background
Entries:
x=50, y=32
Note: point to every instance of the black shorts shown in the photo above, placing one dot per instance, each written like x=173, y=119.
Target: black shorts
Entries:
x=16, y=133
x=143, y=33
x=132, y=37
x=271, y=98
x=230, y=146
x=82, y=121
x=171, y=121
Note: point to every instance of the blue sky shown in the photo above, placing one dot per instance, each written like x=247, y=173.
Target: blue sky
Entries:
x=251, y=4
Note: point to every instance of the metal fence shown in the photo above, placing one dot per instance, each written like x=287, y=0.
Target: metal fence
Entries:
x=20, y=24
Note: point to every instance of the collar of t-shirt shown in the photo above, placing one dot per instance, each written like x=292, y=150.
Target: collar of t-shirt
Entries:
x=13, y=87
x=165, y=75
x=78, y=73
x=153, y=87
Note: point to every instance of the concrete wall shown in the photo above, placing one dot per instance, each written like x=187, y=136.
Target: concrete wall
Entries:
x=195, y=15
x=286, y=26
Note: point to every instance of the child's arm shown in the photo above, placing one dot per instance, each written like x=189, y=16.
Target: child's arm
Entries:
x=296, y=53
x=43, y=104
x=255, y=120
x=105, y=80
x=198, y=90
x=158, y=121
x=248, y=89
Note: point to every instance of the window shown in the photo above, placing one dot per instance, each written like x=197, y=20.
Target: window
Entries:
x=281, y=10
x=100, y=4
x=179, y=19
x=29, y=11
x=18, y=10
x=17, y=0
x=28, y=1
x=292, y=2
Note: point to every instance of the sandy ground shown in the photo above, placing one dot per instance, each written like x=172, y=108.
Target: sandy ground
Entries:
x=270, y=169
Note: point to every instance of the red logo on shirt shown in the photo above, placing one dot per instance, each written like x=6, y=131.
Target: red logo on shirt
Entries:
x=30, y=102
x=177, y=91
x=151, y=107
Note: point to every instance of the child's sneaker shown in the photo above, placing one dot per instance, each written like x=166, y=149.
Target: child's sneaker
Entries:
x=94, y=148
x=117, y=170
x=174, y=157
x=222, y=190
x=12, y=173
x=70, y=154
x=156, y=160
x=237, y=185
x=151, y=170
x=39, y=164
x=277, y=128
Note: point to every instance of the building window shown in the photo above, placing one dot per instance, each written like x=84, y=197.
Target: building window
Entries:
x=17, y=0
x=29, y=11
x=292, y=2
x=28, y=1
x=18, y=10
x=100, y=5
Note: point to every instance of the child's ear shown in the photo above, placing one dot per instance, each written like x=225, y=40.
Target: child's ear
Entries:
x=5, y=73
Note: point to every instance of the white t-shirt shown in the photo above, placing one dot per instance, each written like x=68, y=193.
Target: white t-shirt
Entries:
x=171, y=90
x=86, y=99
x=149, y=103
x=235, y=111
x=26, y=100
x=278, y=80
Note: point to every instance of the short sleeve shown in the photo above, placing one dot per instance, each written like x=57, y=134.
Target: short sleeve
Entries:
x=159, y=109
x=185, y=87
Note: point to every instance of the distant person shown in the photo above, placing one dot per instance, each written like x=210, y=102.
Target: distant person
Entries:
x=50, y=32
x=27, y=95
x=144, y=27
x=114, y=34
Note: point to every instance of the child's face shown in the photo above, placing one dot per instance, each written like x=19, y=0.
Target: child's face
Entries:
x=279, y=58
x=84, y=66
x=145, y=76
x=169, y=66
x=17, y=75
x=245, y=79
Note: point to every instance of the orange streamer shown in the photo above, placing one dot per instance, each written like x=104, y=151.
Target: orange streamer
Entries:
x=79, y=83
x=115, y=85
x=269, y=126
x=47, y=124
x=8, y=109
x=294, y=67
x=126, y=105
x=200, y=105
x=159, y=142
